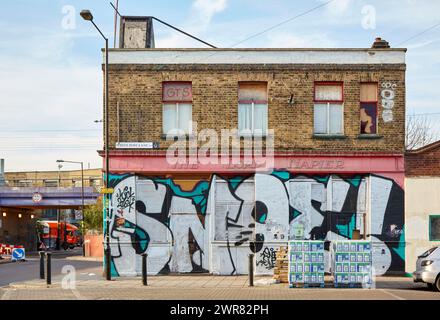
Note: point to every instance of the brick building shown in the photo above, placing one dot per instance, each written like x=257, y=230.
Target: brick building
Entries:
x=61, y=178
x=337, y=163
x=59, y=197
x=422, y=205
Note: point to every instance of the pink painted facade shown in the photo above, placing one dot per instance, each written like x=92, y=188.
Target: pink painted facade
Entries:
x=388, y=165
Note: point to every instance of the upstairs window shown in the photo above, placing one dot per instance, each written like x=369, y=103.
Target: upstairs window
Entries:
x=252, y=108
x=177, y=108
x=368, y=108
x=328, y=108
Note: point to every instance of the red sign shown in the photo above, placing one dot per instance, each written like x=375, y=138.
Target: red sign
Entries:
x=177, y=92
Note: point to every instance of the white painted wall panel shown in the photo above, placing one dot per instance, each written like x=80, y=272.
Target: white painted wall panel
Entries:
x=228, y=56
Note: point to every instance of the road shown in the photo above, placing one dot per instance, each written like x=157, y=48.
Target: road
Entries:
x=30, y=269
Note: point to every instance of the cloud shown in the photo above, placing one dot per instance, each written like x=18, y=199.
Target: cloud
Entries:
x=205, y=9
x=197, y=23
x=49, y=95
x=338, y=7
x=290, y=40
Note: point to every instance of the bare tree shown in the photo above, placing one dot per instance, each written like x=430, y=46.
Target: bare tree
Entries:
x=420, y=131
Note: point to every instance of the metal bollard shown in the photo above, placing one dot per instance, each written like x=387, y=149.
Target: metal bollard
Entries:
x=41, y=264
x=251, y=270
x=144, y=269
x=48, y=268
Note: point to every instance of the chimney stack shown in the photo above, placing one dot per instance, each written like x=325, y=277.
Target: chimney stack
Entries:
x=379, y=43
x=136, y=32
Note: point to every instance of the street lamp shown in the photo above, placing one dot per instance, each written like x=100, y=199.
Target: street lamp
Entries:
x=87, y=15
x=82, y=197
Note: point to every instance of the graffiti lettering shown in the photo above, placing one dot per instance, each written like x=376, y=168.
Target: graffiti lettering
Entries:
x=267, y=258
x=256, y=213
x=125, y=198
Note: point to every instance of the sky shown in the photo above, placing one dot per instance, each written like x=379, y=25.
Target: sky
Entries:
x=51, y=78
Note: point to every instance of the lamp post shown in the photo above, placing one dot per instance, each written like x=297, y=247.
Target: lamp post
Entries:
x=57, y=247
x=87, y=15
x=82, y=198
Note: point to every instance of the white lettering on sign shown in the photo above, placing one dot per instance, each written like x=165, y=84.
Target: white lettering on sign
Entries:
x=177, y=92
x=137, y=145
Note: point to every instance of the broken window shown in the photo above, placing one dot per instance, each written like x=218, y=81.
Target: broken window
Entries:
x=368, y=108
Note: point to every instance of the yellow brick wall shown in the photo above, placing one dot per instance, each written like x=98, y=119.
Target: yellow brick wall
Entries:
x=138, y=91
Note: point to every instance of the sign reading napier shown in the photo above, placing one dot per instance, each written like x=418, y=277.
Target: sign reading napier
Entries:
x=316, y=164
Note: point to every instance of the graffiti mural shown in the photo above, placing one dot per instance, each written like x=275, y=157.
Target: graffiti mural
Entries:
x=388, y=93
x=215, y=223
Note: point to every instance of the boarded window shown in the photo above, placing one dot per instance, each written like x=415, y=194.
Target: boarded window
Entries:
x=368, y=92
x=252, y=92
x=325, y=92
x=252, y=108
x=368, y=108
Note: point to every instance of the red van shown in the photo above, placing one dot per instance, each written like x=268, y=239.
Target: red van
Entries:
x=48, y=233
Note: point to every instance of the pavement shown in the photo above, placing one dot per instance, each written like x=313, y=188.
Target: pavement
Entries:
x=91, y=286
x=78, y=278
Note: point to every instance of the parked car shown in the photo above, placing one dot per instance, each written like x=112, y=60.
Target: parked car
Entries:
x=428, y=268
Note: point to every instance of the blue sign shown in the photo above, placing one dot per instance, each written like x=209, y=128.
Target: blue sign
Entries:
x=18, y=254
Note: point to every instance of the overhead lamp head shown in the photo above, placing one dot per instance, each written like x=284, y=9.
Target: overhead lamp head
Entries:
x=86, y=15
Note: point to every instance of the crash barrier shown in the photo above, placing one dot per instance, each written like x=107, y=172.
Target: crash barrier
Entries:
x=6, y=249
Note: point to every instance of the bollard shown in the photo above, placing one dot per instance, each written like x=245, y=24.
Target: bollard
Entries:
x=41, y=264
x=251, y=270
x=144, y=269
x=48, y=268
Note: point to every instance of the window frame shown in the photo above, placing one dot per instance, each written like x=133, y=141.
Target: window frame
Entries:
x=176, y=104
x=328, y=83
x=370, y=102
x=328, y=103
x=253, y=102
x=430, y=226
